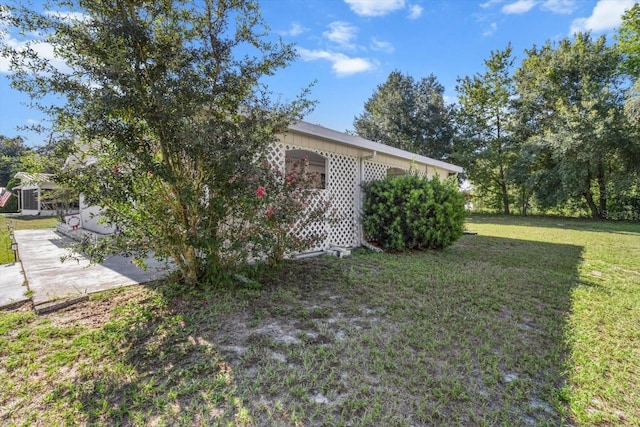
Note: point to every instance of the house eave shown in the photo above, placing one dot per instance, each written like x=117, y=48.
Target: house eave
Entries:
x=306, y=128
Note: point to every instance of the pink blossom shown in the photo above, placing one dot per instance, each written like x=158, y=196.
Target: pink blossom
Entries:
x=269, y=211
x=261, y=192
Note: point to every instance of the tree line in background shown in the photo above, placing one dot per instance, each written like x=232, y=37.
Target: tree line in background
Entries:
x=558, y=134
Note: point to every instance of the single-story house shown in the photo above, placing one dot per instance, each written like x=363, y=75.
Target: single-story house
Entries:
x=347, y=161
x=343, y=163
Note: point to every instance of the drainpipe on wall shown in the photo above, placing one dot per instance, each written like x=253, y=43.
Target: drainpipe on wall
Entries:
x=359, y=198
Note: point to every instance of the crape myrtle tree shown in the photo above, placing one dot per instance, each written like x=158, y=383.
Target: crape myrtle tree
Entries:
x=485, y=145
x=168, y=102
x=570, y=94
x=408, y=114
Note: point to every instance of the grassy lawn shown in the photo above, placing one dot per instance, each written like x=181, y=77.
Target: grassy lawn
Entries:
x=19, y=223
x=530, y=322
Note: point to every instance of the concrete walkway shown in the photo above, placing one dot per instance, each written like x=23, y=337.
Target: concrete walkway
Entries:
x=13, y=289
x=53, y=283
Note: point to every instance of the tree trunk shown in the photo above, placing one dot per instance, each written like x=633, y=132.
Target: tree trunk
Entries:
x=602, y=185
x=525, y=201
x=505, y=199
x=588, y=195
x=504, y=190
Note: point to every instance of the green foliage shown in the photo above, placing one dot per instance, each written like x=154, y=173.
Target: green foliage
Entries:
x=167, y=102
x=408, y=114
x=629, y=41
x=571, y=99
x=409, y=212
x=11, y=152
x=286, y=208
x=629, y=47
x=485, y=145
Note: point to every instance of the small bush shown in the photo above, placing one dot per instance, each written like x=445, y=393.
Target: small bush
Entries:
x=409, y=212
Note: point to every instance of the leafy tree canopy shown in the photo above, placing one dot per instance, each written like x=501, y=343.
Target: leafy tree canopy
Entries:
x=629, y=46
x=11, y=151
x=408, y=114
x=571, y=94
x=485, y=146
x=167, y=100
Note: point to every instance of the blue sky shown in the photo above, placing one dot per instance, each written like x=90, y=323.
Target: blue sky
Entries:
x=349, y=47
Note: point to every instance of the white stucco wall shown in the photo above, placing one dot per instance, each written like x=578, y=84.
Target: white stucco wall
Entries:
x=89, y=219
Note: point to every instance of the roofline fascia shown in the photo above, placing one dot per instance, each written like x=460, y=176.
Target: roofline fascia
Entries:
x=306, y=128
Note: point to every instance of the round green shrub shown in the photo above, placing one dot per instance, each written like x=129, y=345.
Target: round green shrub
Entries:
x=409, y=212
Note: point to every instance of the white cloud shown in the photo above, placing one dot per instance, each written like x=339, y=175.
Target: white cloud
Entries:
x=294, y=30
x=415, y=11
x=341, y=33
x=450, y=99
x=375, y=7
x=342, y=65
x=524, y=6
x=382, y=45
x=490, y=3
x=67, y=16
x=520, y=6
x=606, y=15
x=493, y=27
x=559, y=6
x=42, y=49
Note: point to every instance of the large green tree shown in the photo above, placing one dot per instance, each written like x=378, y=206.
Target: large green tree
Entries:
x=408, y=114
x=570, y=94
x=11, y=152
x=167, y=100
x=629, y=46
x=485, y=146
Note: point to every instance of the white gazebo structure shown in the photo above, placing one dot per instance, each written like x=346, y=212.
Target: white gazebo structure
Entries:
x=34, y=194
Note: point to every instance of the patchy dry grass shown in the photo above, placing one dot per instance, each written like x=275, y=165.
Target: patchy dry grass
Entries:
x=531, y=322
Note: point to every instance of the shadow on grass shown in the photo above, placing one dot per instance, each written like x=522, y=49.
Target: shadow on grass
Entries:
x=470, y=335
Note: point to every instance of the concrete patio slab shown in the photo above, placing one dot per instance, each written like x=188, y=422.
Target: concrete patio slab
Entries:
x=12, y=287
x=53, y=281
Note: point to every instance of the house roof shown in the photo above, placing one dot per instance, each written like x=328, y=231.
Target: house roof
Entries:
x=310, y=129
x=35, y=180
x=27, y=178
x=317, y=131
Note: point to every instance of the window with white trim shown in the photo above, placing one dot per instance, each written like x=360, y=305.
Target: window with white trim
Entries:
x=394, y=172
